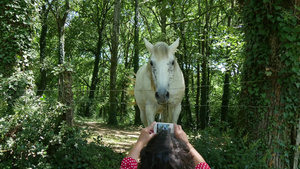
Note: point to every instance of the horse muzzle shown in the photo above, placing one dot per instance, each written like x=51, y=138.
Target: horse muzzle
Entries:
x=162, y=96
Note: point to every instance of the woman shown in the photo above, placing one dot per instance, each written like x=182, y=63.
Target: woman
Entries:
x=163, y=151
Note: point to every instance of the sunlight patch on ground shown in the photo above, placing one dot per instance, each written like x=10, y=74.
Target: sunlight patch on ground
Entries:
x=119, y=138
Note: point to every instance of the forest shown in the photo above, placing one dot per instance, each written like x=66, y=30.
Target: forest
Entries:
x=67, y=62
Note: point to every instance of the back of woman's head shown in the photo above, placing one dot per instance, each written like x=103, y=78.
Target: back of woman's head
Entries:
x=165, y=151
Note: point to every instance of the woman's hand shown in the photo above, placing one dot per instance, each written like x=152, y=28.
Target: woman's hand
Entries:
x=180, y=134
x=147, y=134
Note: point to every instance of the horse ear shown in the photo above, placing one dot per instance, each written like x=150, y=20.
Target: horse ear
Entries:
x=148, y=45
x=174, y=46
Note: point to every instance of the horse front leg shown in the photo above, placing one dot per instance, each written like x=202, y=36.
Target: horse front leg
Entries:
x=150, y=114
x=175, y=112
x=143, y=117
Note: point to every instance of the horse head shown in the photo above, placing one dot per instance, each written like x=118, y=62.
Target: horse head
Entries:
x=163, y=64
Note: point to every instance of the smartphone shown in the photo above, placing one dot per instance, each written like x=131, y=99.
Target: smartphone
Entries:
x=163, y=126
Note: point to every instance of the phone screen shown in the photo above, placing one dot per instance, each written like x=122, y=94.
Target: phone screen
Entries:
x=164, y=126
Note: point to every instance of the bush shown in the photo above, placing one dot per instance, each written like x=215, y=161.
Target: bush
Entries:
x=228, y=150
x=76, y=152
x=28, y=139
x=25, y=135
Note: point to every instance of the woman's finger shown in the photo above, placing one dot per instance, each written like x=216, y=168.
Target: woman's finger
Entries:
x=175, y=127
x=151, y=126
x=179, y=126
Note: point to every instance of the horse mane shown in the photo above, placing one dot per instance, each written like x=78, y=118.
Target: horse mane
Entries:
x=161, y=50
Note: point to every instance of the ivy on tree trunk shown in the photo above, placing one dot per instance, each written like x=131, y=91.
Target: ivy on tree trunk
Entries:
x=271, y=74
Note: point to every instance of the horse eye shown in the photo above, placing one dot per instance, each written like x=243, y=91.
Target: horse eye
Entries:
x=173, y=62
x=151, y=63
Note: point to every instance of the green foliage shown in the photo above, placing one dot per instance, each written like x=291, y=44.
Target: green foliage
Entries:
x=15, y=27
x=76, y=152
x=228, y=150
x=14, y=87
x=28, y=139
x=271, y=70
x=27, y=134
x=270, y=77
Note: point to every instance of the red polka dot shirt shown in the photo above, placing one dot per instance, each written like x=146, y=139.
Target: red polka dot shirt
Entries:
x=130, y=163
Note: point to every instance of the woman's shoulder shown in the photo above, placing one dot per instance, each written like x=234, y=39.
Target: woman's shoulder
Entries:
x=203, y=165
x=128, y=163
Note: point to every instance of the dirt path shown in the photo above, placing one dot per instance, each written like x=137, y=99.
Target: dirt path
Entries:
x=119, y=138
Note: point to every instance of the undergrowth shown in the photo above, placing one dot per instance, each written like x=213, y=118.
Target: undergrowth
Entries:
x=28, y=138
x=228, y=149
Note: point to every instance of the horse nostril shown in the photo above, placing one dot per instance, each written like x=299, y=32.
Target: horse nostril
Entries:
x=156, y=95
x=167, y=95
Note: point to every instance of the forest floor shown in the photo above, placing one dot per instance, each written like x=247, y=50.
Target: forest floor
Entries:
x=118, y=138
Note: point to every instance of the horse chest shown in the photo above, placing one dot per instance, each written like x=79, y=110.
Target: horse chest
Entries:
x=161, y=109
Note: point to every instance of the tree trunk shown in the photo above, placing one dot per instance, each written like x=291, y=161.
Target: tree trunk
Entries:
x=100, y=22
x=186, y=102
x=41, y=86
x=207, y=89
x=197, y=106
x=65, y=94
x=271, y=70
x=137, y=118
x=203, y=105
x=95, y=75
x=61, y=58
x=163, y=20
x=204, y=109
x=124, y=82
x=114, y=61
x=225, y=96
x=189, y=119
x=68, y=97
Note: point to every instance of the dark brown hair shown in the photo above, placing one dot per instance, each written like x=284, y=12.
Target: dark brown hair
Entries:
x=165, y=151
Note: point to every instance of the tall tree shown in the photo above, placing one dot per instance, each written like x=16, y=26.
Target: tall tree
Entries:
x=270, y=92
x=161, y=13
x=225, y=96
x=65, y=94
x=114, y=63
x=15, y=41
x=41, y=85
x=198, y=90
x=99, y=12
x=163, y=19
x=14, y=17
x=137, y=119
x=204, y=68
x=186, y=73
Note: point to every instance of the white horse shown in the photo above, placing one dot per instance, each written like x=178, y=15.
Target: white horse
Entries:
x=160, y=84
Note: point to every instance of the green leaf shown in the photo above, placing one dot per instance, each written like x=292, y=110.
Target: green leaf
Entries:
x=278, y=7
x=263, y=95
x=288, y=45
x=291, y=38
x=296, y=70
